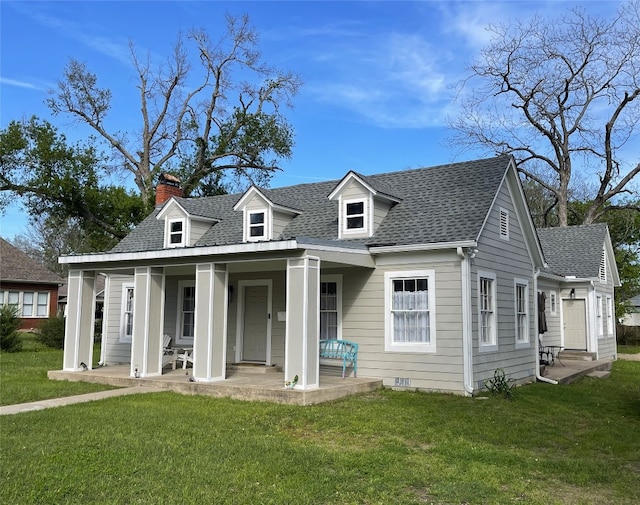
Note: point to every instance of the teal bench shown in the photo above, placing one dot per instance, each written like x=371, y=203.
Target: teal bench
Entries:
x=344, y=350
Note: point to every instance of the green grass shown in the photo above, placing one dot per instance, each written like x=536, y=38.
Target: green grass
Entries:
x=23, y=375
x=575, y=444
x=629, y=349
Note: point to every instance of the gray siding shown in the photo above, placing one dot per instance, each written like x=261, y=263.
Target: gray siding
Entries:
x=508, y=260
x=553, y=335
x=116, y=352
x=380, y=209
x=198, y=228
x=363, y=322
x=280, y=221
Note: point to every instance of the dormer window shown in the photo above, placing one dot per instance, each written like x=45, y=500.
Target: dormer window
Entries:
x=176, y=233
x=256, y=225
x=355, y=215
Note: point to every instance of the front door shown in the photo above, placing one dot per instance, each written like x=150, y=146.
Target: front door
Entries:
x=575, y=324
x=255, y=324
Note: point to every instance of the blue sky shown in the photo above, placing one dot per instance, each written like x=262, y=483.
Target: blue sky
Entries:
x=379, y=77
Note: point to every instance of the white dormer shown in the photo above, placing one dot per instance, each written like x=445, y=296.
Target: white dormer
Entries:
x=182, y=229
x=263, y=219
x=361, y=206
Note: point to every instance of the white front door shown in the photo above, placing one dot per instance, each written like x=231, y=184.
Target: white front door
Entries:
x=575, y=324
x=255, y=321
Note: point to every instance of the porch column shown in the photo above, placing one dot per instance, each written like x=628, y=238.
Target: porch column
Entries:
x=303, y=322
x=210, y=332
x=148, y=310
x=78, y=333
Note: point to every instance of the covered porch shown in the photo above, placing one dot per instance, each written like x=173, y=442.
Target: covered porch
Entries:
x=252, y=385
x=225, y=304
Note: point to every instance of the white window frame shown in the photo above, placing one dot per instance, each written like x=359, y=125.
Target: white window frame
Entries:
x=123, y=312
x=504, y=224
x=609, y=315
x=345, y=217
x=522, y=340
x=266, y=225
x=180, y=338
x=38, y=305
x=337, y=279
x=553, y=303
x=34, y=306
x=169, y=233
x=492, y=344
x=414, y=347
x=599, y=316
x=30, y=305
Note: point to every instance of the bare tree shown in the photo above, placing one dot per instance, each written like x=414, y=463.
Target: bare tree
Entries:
x=562, y=96
x=227, y=117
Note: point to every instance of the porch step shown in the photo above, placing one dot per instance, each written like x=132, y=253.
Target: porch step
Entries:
x=254, y=368
x=599, y=374
x=577, y=355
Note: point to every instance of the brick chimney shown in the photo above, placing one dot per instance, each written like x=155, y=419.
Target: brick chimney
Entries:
x=168, y=186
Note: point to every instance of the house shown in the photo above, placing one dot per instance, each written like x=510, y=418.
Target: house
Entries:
x=28, y=285
x=633, y=317
x=578, y=285
x=433, y=272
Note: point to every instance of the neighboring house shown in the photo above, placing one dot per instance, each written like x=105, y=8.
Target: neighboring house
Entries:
x=433, y=272
x=633, y=317
x=579, y=286
x=28, y=285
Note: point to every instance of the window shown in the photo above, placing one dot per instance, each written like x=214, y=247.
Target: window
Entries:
x=522, y=311
x=355, y=215
x=186, y=311
x=256, y=225
x=599, y=318
x=602, y=274
x=330, y=306
x=176, y=233
x=126, y=325
x=410, y=311
x=29, y=303
x=609, y=315
x=487, y=310
x=504, y=224
x=553, y=303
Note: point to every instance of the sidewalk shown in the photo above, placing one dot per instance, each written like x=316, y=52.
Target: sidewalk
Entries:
x=69, y=400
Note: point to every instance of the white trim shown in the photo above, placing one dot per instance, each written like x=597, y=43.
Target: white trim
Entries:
x=421, y=247
x=122, y=337
x=410, y=347
x=525, y=342
x=366, y=217
x=351, y=175
x=493, y=344
x=610, y=315
x=553, y=302
x=599, y=315
x=266, y=225
x=337, y=278
x=180, y=339
x=186, y=228
x=503, y=224
x=240, y=316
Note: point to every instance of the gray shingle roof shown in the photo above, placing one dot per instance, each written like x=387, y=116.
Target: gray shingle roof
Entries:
x=16, y=265
x=446, y=203
x=574, y=250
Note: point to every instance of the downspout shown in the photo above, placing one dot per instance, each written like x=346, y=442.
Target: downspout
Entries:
x=536, y=356
x=467, y=329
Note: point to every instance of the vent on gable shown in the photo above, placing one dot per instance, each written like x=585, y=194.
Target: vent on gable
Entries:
x=603, y=267
x=504, y=224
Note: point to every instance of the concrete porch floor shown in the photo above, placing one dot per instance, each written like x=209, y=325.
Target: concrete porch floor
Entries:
x=573, y=369
x=240, y=385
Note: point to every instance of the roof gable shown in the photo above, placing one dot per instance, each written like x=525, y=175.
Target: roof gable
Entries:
x=577, y=250
x=15, y=265
x=376, y=187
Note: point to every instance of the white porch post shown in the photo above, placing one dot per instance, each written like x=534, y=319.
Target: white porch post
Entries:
x=148, y=310
x=303, y=322
x=79, y=324
x=210, y=335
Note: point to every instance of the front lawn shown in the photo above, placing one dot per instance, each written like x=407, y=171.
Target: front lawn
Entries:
x=23, y=375
x=575, y=444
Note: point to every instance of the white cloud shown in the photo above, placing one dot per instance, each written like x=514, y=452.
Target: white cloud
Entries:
x=19, y=84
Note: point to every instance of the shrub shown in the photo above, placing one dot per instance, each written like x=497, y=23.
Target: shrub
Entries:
x=52, y=332
x=9, y=324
